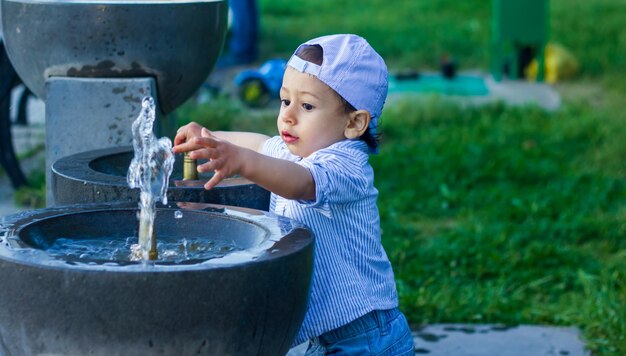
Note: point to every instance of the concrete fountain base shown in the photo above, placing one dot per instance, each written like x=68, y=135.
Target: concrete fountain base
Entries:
x=246, y=303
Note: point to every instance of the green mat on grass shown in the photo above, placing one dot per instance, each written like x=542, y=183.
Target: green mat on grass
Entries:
x=465, y=85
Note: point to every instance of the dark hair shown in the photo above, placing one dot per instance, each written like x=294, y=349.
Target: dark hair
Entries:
x=315, y=54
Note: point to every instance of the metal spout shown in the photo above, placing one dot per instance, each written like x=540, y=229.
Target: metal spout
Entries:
x=190, y=168
x=153, y=254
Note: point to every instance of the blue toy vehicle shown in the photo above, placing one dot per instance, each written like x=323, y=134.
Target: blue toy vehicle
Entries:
x=256, y=87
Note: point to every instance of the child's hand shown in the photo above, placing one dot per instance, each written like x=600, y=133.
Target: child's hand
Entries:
x=183, y=142
x=224, y=157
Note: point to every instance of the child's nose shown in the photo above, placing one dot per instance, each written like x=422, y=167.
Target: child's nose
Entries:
x=288, y=116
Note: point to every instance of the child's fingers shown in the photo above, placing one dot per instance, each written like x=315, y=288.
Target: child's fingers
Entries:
x=205, y=141
x=209, y=166
x=215, y=180
x=183, y=134
x=187, y=132
x=185, y=147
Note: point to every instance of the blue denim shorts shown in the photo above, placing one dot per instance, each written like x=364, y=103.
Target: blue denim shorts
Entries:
x=381, y=332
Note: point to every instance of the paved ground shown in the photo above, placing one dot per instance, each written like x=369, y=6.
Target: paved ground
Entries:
x=492, y=340
x=439, y=339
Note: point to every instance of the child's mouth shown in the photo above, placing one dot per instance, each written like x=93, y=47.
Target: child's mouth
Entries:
x=288, y=138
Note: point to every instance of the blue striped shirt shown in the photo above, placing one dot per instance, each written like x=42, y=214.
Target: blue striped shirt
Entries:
x=352, y=274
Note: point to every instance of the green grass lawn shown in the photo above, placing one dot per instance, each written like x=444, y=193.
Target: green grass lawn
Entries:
x=501, y=215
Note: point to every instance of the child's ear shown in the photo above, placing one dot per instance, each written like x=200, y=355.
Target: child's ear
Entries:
x=357, y=124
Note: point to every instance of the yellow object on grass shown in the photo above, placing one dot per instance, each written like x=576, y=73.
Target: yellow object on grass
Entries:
x=559, y=64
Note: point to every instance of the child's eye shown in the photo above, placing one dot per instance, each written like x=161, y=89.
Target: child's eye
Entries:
x=307, y=107
x=284, y=102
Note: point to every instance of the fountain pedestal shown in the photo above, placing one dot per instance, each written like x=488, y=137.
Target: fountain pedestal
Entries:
x=249, y=302
x=85, y=114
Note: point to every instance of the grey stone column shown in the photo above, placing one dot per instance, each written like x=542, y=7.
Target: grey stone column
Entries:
x=84, y=114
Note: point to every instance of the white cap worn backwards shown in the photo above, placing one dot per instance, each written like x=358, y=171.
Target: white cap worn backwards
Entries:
x=352, y=68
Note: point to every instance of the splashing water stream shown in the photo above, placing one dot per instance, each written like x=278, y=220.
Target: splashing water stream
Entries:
x=149, y=171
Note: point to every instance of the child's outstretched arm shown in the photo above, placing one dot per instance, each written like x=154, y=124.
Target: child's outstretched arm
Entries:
x=281, y=177
x=183, y=142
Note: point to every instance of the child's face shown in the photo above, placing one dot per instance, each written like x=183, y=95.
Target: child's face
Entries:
x=311, y=115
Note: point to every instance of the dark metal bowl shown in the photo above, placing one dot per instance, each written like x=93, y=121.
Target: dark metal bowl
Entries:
x=176, y=42
x=99, y=176
x=247, y=304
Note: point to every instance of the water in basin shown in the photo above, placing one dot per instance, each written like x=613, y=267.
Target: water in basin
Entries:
x=174, y=249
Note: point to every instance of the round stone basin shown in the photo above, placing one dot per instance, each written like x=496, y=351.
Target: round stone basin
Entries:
x=99, y=176
x=250, y=301
x=176, y=41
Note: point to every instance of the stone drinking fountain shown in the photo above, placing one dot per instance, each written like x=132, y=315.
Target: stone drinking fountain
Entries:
x=229, y=280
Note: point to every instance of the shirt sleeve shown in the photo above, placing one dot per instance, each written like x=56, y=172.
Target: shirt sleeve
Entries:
x=340, y=177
